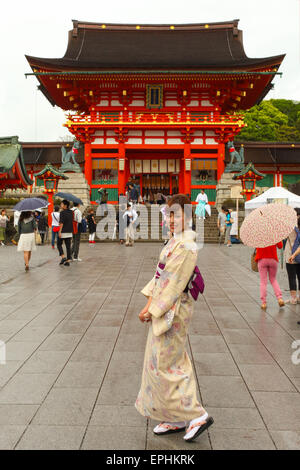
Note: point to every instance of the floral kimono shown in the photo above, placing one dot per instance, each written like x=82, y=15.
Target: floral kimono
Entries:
x=168, y=391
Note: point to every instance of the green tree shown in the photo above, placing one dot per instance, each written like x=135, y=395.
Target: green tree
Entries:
x=263, y=123
x=288, y=107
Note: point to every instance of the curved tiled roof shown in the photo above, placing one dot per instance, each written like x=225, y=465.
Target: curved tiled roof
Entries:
x=11, y=155
x=212, y=46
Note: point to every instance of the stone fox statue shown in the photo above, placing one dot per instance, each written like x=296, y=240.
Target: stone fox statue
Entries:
x=70, y=157
x=238, y=156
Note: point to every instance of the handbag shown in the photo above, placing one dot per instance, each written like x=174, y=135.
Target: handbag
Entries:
x=54, y=227
x=295, y=245
x=254, y=265
x=38, y=240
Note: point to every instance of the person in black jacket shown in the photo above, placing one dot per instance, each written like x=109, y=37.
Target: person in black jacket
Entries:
x=92, y=226
x=42, y=226
x=65, y=232
x=133, y=194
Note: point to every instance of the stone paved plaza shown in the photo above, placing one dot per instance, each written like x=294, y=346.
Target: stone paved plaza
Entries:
x=75, y=352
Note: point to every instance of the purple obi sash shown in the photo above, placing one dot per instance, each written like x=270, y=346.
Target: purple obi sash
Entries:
x=195, y=285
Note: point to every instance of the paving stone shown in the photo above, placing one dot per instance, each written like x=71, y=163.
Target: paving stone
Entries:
x=17, y=414
x=9, y=436
x=27, y=389
x=46, y=362
x=131, y=342
x=73, y=327
x=28, y=333
x=263, y=377
x=235, y=418
x=38, y=437
x=20, y=350
x=214, y=364
x=280, y=411
x=224, y=391
x=67, y=407
x=241, y=439
x=116, y=415
x=208, y=344
x=8, y=370
x=114, y=437
x=240, y=336
x=82, y=375
x=108, y=320
x=101, y=333
x=60, y=342
x=286, y=440
x=119, y=389
x=251, y=354
x=92, y=352
x=11, y=326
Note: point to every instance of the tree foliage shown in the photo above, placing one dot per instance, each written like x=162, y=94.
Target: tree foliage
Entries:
x=272, y=120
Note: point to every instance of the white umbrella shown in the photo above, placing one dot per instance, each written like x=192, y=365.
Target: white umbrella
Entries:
x=271, y=195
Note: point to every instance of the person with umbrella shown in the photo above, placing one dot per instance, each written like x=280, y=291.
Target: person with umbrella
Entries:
x=27, y=225
x=42, y=226
x=264, y=229
x=267, y=262
x=26, y=229
x=65, y=232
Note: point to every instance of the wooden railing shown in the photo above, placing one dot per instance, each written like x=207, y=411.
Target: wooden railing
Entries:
x=161, y=117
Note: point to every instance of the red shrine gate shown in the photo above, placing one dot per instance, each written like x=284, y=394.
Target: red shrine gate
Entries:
x=156, y=102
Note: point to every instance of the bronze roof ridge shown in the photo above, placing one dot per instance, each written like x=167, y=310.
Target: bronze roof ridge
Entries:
x=79, y=24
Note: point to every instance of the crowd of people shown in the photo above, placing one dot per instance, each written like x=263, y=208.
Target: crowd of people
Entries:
x=68, y=224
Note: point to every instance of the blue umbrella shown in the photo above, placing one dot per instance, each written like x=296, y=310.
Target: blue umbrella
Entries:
x=31, y=204
x=69, y=197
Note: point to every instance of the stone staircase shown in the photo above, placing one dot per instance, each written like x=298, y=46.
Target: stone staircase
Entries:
x=150, y=228
x=76, y=184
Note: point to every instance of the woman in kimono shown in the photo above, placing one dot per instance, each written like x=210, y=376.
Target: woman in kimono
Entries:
x=168, y=391
x=202, y=201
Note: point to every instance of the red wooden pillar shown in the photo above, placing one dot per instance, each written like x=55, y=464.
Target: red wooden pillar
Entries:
x=187, y=172
x=88, y=164
x=122, y=168
x=221, y=162
x=50, y=208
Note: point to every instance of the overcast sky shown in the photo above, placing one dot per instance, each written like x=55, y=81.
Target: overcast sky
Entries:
x=39, y=28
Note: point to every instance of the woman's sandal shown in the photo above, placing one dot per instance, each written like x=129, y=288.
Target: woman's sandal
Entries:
x=281, y=302
x=169, y=429
x=263, y=306
x=203, y=426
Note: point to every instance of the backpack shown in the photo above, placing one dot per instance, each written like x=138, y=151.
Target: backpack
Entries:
x=82, y=226
x=296, y=244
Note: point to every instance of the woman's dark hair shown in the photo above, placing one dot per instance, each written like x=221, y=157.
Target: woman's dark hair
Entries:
x=56, y=208
x=66, y=203
x=25, y=215
x=184, y=202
